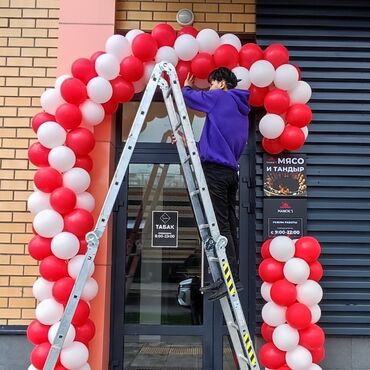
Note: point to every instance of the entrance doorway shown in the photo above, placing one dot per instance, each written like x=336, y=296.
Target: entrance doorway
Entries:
x=159, y=318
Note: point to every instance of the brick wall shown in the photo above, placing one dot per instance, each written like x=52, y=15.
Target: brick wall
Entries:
x=28, y=38
x=235, y=16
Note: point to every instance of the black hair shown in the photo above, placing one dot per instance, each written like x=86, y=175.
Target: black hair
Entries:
x=224, y=74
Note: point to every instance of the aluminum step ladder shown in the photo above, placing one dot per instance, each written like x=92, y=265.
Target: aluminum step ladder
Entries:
x=213, y=243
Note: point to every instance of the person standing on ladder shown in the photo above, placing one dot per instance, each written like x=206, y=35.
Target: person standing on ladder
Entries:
x=223, y=139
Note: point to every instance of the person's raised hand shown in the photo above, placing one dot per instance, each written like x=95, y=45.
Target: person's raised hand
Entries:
x=189, y=80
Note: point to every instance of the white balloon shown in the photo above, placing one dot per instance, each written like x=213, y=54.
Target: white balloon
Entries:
x=296, y=270
x=262, y=73
x=118, y=46
x=315, y=367
x=77, y=179
x=208, y=40
x=166, y=54
x=305, y=131
x=60, y=80
x=316, y=313
x=186, y=47
x=49, y=311
x=286, y=77
x=231, y=39
x=201, y=83
x=69, y=338
x=148, y=70
x=75, y=264
x=62, y=158
x=92, y=113
x=48, y=223
x=309, y=293
x=74, y=356
x=282, y=248
x=107, y=66
x=99, y=90
x=51, y=134
x=65, y=245
x=271, y=126
x=139, y=85
x=242, y=74
x=300, y=94
x=90, y=290
x=266, y=291
x=38, y=201
x=31, y=367
x=42, y=289
x=51, y=100
x=130, y=35
x=273, y=314
x=85, y=201
x=285, y=337
x=299, y=358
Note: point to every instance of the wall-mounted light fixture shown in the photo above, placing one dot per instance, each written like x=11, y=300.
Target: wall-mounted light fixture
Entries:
x=185, y=17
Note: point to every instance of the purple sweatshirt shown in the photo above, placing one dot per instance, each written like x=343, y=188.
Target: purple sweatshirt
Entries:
x=225, y=132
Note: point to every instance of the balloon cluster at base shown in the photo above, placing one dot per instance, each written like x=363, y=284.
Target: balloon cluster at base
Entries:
x=61, y=203
x=291, y=272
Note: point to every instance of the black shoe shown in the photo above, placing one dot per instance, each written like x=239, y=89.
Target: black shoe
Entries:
x=222, y=291
x=212, y=287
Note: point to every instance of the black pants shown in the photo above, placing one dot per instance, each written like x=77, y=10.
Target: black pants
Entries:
x=223, y=185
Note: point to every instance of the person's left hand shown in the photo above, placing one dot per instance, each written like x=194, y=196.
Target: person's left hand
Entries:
x=189, y=80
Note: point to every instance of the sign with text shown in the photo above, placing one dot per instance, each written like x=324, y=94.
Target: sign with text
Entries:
x=164, y=229
x=284, y=216
x=285, y=175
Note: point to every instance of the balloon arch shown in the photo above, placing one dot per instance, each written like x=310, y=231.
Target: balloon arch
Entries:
x=61, y=204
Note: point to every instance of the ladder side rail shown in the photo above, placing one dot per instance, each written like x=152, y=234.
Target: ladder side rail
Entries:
x=93, y=237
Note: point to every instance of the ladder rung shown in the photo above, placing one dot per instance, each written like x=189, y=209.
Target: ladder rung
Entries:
x=195, y=192
x=179, y=125
x=187, y=159
x=203, y=226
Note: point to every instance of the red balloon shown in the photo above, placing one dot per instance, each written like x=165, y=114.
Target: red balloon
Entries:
x=226, y=56
x=182, y=69
x=307, y=248
x=38, y=155
x=82, y=313
x=39, y=354
x=78, y=222
x=39, y=119
x=164, y=34
x=285, y=367
x=131, y=68
x=277, y=101
x=283, y=292
x=265, y=249
x=276, y=54
x=69, y=116
x=48, y=179
x=85, y=332
x=248, y=54
x=202, y=65
x=272, y=146
x=298, y=70
x=81, y=141
x=83, y=69
x=73, y=91
x=144, y=47
x=189, y=30
x=292, y=138
x=318, y=354
x=110, y=106
x=257, y=95
x=60, y=367
x=96, y=55
x=39, y=247
x=298, y=316
x=83, y=246
x=84, y=162
x=62, y=289
x=37, y=333
x=299, y=115
x=271, y=270
x=123, y=91
x=312, y=337
x=63, y=200
x=271, y=356
x=316, y=271
x=53, y=268
x=266, y=331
